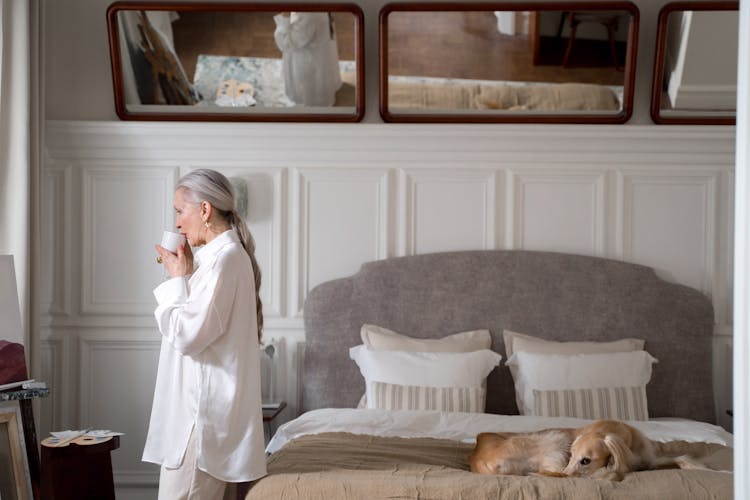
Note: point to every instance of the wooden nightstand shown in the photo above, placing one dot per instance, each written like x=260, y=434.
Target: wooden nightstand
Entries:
x=270, y=412
x=78, y=471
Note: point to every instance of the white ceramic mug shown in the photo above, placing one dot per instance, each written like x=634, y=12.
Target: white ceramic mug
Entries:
x=172, y=241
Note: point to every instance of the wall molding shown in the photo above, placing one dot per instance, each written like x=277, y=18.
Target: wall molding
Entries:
x=486, y=179
x=707, y=181
x=596, y=180
x=94, y=174
x=302, y=179
x=277, y=144
x=56, y=185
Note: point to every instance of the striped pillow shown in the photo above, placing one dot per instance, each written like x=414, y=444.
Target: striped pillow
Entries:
x=414, y=397
x=622, y=403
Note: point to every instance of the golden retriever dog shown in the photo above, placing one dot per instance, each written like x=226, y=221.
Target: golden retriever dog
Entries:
x=521, y=454
x=609, y=449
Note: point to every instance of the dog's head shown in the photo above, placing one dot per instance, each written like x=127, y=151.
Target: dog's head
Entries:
x=589, y=453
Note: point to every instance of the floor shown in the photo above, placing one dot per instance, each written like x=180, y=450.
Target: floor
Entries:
x=437, y=44
x=468, y=45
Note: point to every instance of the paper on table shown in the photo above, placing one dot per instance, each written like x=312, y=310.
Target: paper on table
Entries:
x=86, y=436
x=86, y=432
x=12, y=385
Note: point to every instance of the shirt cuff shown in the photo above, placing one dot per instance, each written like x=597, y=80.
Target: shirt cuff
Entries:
x=172, y=291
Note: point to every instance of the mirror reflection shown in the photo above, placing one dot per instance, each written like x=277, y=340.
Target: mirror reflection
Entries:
x=508, y=65
x=696, y=66
x=235, y=62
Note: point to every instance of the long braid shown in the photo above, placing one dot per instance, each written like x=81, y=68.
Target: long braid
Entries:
x=248, y=242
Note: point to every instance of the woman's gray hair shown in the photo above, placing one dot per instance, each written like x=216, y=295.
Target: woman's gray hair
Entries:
x=212, y=186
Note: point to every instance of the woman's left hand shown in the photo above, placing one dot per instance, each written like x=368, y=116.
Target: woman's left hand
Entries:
x=180, y=264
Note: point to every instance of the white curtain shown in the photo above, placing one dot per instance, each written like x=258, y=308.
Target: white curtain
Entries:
x=15, y=149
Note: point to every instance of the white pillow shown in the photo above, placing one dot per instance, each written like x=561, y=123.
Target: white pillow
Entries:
x=428, y=369
x=515, y=341
x=383, y=339
x=545, y=372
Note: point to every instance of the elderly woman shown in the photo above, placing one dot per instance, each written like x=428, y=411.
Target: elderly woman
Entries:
x=310, y=57
x=206, y=427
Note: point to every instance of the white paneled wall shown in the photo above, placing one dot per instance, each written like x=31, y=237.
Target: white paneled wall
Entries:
x=340, y=220
x=323, y=199
x=448, y=209
x=664, y=211
x=560, y=210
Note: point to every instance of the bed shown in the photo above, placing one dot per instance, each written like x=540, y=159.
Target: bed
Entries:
x=425, y=93
x=334, y=450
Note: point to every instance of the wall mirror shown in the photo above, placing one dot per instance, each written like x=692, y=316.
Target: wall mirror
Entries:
x=508, y=62
x=237, y=61
x=695, y=68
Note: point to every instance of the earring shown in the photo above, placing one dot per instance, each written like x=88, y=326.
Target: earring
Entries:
x=206, y=223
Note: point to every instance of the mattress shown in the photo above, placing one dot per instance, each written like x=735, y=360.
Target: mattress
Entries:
x=347, y=453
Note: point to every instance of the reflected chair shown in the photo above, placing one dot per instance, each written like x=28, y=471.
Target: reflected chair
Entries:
x=606, y=19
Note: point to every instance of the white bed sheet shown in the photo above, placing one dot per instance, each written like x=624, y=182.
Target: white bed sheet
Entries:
x=465, y=426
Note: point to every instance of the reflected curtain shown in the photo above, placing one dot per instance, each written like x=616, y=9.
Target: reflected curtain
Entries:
x=15, y=146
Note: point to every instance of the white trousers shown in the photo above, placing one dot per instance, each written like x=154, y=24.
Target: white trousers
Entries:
x=188, y=482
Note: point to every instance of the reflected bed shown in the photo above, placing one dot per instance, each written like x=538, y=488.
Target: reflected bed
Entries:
x=407, y=93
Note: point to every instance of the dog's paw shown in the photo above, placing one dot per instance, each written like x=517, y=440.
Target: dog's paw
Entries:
x=548, y=473
x=605, y=474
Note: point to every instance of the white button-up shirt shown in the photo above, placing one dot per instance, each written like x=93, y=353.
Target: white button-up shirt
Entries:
x=209, y=367
x=310, y=58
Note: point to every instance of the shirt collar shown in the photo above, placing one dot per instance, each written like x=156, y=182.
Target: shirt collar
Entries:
x=208, y=252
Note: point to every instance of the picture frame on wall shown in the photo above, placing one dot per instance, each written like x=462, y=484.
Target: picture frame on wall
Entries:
x=15, y=479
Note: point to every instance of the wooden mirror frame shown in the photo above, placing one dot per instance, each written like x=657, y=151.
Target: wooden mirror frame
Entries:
x=274, y=114
x=561, y=117
x=660, y=60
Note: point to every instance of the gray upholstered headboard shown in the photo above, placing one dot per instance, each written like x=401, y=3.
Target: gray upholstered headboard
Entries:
x=550, y=295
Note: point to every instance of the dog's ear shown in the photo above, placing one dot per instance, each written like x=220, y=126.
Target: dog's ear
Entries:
x=620, y=455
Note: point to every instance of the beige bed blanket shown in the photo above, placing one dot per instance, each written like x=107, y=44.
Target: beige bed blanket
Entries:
x=347, y=466
x=552, y=97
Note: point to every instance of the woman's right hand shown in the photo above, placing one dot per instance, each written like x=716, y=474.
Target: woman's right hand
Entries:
x=180, y=264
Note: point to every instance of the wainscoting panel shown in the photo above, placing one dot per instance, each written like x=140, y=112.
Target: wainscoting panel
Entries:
x=565, y=211
x=670, y=224
x=55, y=240
x=51, y=359
x=117, y=387
x=340, y=221
x=449, y=209
x=125, y=210
x=325, y=198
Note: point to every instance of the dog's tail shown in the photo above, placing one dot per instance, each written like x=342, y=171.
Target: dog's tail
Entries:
x=683, y=462
x=691, y=463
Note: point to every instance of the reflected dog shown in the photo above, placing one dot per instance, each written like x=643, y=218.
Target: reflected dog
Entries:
x=544, y=452
x=609, y=449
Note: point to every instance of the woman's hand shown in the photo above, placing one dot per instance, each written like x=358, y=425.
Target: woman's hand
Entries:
x=180, y=264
